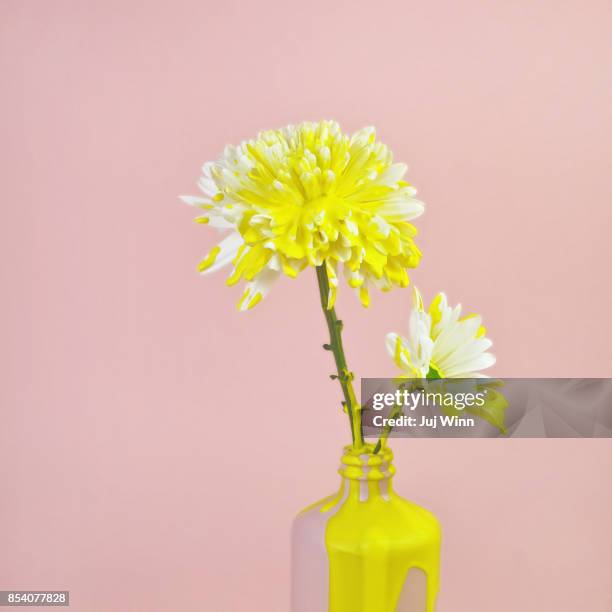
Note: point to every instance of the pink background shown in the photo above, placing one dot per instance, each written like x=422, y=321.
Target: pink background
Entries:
x=140, y=411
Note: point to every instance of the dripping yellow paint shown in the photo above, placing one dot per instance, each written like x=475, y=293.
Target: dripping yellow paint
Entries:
x=373, y=539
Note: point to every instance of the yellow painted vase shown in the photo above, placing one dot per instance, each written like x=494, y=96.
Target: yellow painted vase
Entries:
x=365, y=549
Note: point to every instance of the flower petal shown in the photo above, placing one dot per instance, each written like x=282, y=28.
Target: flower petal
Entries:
x=258, y=288
x=222, y=254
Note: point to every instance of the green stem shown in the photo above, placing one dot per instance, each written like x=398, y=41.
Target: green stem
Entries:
x=382, y=441
x=344, y=375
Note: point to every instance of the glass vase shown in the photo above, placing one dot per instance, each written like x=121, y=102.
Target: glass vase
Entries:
x=365, y=549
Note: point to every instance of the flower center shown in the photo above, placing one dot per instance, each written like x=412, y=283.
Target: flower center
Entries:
x=435, y=373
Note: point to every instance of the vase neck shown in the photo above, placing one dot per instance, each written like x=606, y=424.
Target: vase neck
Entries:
x=365, y=475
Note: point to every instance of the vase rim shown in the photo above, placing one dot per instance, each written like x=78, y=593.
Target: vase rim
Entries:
x=364, y=464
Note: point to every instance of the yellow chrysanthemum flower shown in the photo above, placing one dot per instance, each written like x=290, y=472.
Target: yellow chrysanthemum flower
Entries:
x=308, y=195
x=441, y=343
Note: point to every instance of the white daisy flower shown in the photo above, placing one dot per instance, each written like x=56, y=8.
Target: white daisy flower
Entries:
x=441, y=343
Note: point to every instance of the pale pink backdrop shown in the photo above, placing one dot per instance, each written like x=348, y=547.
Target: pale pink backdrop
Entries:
x=154, y=443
